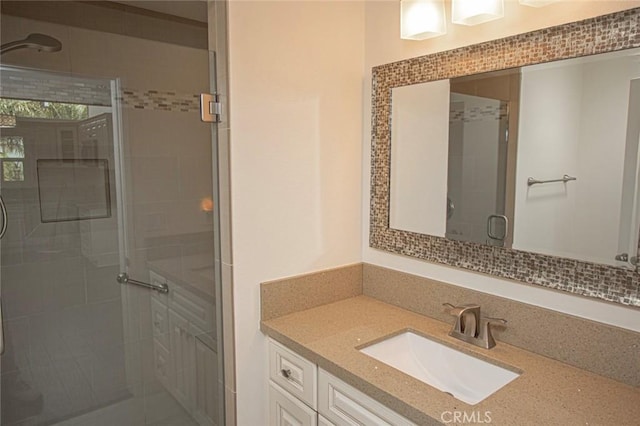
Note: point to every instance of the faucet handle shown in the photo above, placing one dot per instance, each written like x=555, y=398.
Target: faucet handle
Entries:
x=456, y=311
x=485, y=331
x=467, y=318
x=449, y=305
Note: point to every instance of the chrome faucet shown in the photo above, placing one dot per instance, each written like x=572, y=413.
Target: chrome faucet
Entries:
x=470, y=327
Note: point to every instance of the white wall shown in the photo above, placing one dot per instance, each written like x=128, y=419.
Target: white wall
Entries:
x=299, y=153
x=629, y=207
x=384, y=45
x=603, y=138
x=296, y=113
x=548, y=142
x=419, y=149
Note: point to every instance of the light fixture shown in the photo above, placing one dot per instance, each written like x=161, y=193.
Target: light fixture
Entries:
x=474, y=12
x=7, y=121
x=206, y=205
x=536, y=3
x=422, y=19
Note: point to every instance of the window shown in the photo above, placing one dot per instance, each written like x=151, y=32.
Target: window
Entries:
x=43, y=109
x=12, y=158
x=12, y=148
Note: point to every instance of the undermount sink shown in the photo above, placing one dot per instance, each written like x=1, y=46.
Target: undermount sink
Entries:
x=465, y=377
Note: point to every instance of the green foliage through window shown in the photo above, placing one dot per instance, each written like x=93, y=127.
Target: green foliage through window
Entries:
x=43, y=109
x=13, y=171
x=11, y=147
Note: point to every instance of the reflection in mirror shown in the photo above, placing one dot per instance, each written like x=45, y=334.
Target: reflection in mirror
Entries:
x=419, y=152
x=483, y=111
x=464, y=153
x=580, y=124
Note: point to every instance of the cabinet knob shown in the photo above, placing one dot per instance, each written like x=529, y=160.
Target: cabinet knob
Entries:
x=286, y=373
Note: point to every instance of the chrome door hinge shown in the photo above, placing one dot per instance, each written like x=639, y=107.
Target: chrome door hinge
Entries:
x=210, y=108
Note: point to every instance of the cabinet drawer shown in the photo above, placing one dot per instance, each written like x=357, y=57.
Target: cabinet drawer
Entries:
x=342, y=404
x=294, y=373
x=193, y=308
x=287, y=410
x=160, y=322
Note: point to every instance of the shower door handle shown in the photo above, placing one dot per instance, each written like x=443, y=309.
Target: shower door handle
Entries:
x=123, y=278
x=491, y=232
x=5, y=218
x=1, y=330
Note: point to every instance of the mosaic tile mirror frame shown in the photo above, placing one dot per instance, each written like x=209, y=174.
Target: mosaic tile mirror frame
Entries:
x=602, y=34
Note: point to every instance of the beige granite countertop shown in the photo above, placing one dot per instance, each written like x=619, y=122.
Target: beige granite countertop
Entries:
x=547, y=392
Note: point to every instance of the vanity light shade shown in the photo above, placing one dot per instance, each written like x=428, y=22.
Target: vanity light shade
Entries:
x=536, y=3
x=474, y=12
x=422, y=19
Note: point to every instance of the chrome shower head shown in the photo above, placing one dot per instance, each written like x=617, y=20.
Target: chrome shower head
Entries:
x=40, y=42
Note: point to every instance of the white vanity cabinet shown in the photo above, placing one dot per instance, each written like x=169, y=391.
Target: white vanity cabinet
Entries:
x=302, y=394
x=292, y=388
x=343, y=404
x=206, y=382
x=183, y=354
x=184, y=364
x=287, y=410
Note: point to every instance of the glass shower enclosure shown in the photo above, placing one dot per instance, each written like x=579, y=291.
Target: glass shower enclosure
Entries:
x=110, y=311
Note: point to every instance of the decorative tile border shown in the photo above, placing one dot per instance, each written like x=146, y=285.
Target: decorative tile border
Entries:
x=54, y=87
x=597, y=35
x=475, y=113
x=159, y=100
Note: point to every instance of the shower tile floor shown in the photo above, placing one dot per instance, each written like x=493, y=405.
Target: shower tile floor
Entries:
x=160, y=409
x=156, y=410
x=80, y=371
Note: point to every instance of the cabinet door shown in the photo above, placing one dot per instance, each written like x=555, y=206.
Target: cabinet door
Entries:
x=160, y=322
x=287, y=410
x=344, y=405
x=163, y=365
x=183, y=354
x=206, y=384
x=323, y=421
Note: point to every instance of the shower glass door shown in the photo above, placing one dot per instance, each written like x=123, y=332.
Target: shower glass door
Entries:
x=477, y=169
x=107, y=172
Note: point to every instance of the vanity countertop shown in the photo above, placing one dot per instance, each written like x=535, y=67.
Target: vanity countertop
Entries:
x=547, y=392
x=194, y=272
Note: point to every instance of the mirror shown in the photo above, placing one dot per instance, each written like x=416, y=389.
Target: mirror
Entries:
x=477, y=194
x=542, y=158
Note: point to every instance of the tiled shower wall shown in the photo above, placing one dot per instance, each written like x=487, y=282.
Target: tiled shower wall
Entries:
x=76, y=335
x=37, y=85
